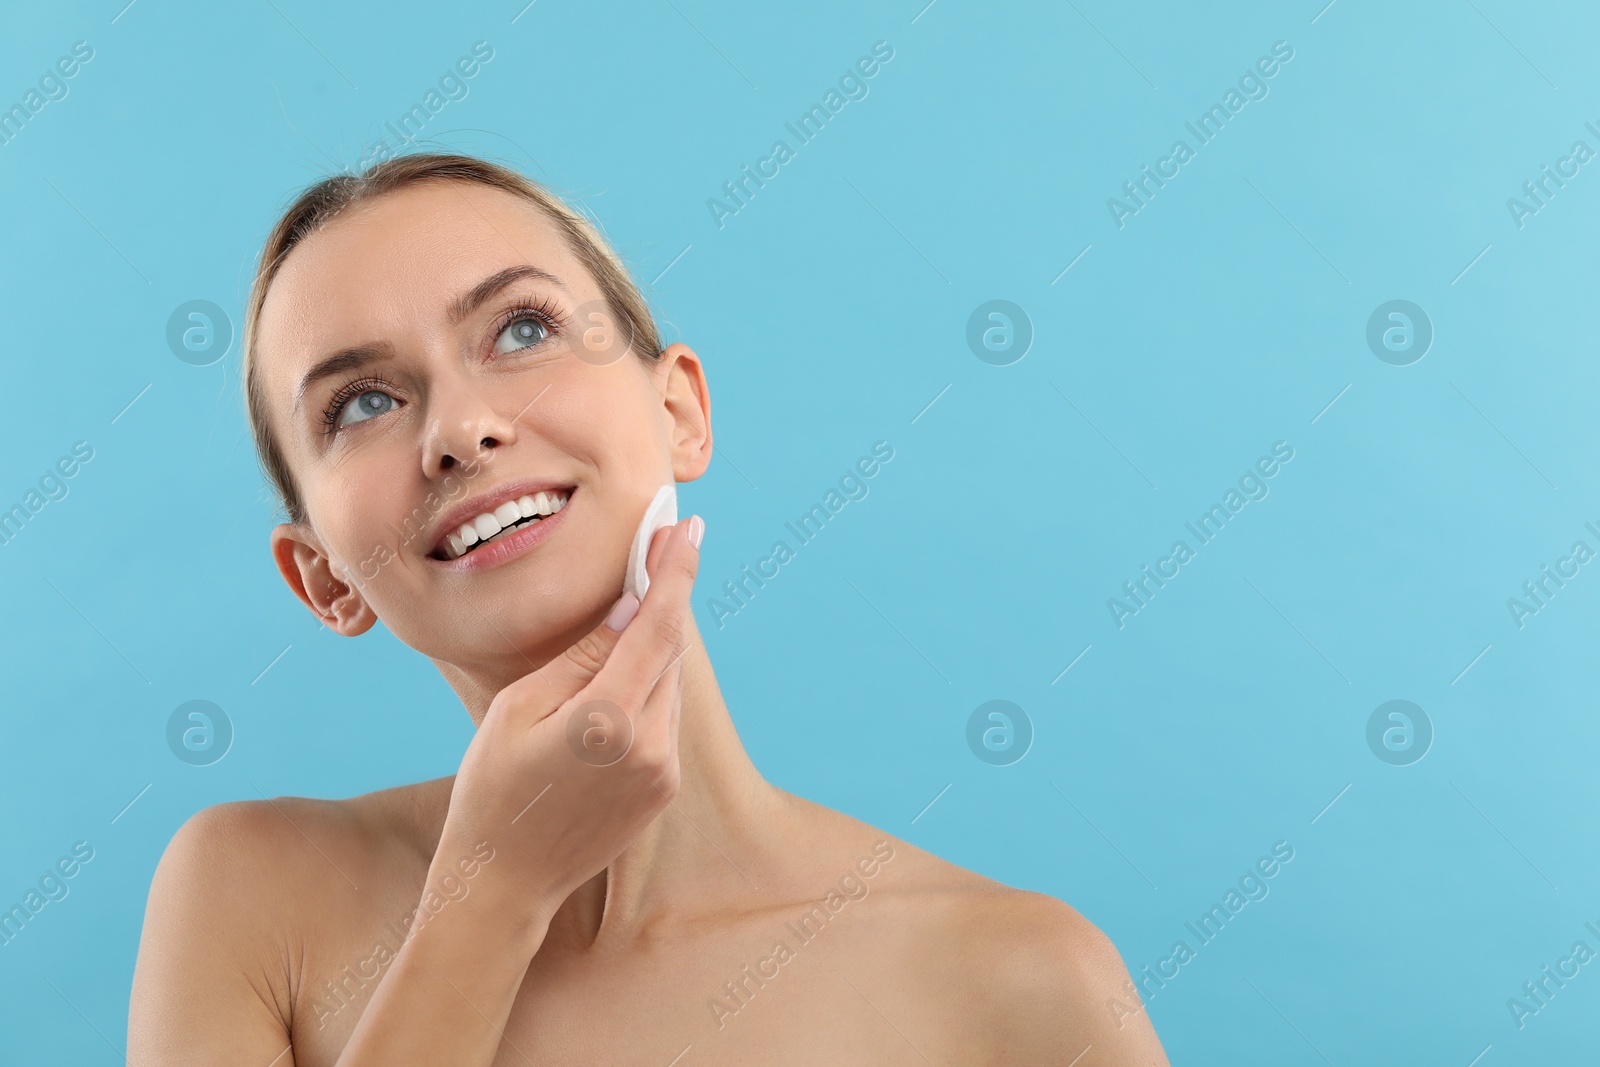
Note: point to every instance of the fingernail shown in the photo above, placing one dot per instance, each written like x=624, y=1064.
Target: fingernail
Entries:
x=697, y=530
x=622, y=613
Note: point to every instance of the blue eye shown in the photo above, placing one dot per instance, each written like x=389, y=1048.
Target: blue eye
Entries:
x=368, y=404
x=523, y=333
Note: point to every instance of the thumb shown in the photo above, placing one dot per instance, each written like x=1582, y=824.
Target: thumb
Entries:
x=563, y=677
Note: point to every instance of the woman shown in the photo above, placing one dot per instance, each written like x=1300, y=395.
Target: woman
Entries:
x=462, y=400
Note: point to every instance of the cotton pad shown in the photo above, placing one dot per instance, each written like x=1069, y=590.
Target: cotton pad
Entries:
x=663, y=511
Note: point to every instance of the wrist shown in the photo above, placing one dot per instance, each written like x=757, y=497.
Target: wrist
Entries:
x=475, y=886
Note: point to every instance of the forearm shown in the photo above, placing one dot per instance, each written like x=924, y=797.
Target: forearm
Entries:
x=448, y=993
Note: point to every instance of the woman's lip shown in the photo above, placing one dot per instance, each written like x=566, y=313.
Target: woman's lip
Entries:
x=488, y=502
x=509, y=547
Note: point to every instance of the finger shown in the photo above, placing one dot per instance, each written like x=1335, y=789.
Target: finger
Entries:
x=572, y=671
x=658, y=635
x=677, y=705
x=637, y=731
x=566, y=675
x=657, y=547
x=655, y=733
x=650, y=724
x=661, y=704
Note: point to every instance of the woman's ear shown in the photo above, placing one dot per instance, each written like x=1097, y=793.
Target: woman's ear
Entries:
x=689, y=404
x=321, y=585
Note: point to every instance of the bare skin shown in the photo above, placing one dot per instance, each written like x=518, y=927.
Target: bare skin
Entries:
x=671, y=907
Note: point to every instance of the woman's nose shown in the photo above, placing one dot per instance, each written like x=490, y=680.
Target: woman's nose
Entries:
x=463, y=426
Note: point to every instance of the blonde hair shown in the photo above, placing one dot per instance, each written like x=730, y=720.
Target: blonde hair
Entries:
x=330, y=197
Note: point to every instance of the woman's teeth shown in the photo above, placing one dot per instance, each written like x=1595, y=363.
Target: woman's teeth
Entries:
x=512, y=515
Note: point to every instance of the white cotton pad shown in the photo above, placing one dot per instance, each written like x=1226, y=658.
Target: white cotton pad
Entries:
x=663, y=511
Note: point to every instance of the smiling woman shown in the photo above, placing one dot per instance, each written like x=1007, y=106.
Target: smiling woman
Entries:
x=421, y=375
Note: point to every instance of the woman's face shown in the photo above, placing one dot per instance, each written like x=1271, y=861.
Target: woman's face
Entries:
x=431, y=358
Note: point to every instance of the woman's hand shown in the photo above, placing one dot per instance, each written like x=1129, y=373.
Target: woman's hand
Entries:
x=555, y=814
x=574, y=759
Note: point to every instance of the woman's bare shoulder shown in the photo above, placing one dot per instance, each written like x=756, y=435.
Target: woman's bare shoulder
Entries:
x=917, y=873
x=1043, y=974
x=242, y=892
x=261, y=857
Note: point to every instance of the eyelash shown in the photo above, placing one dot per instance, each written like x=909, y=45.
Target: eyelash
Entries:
x=346, y=393
x=540, y=309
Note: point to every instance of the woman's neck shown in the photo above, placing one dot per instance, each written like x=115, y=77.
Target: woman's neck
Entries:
x=703, y=849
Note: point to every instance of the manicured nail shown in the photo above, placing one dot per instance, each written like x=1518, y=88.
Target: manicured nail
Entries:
x=697, y=530
x=622, y=614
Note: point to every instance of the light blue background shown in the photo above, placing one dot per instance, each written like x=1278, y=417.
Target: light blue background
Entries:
x=1228, y=314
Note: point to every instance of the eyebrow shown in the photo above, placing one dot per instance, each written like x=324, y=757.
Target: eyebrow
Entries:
x=467, y=302
x=342, y=362
x=355, y=358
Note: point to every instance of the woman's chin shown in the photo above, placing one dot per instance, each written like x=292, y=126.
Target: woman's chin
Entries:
x=512, y=646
